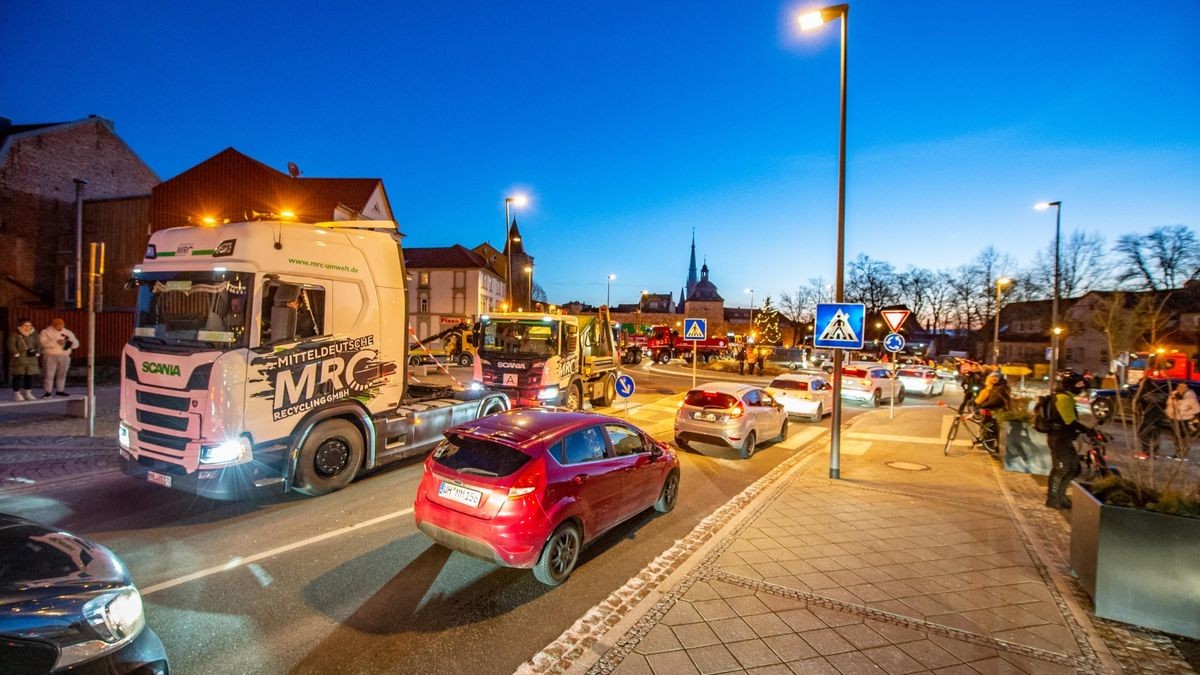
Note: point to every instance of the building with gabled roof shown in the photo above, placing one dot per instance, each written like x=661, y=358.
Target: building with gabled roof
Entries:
x=231, y=186
x=448, y=285
x=44, y=168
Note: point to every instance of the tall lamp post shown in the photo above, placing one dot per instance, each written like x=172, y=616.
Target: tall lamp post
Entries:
x=1001, y=282
x=608, y=297
x=518, y=200
x=810, y=21
x=751, y=329
x=1054, y=331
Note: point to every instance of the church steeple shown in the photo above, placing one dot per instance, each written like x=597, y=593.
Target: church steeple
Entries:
x=691, y=280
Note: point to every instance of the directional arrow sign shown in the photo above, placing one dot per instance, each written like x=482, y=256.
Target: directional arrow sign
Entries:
x=894, y=318
x=894, y=342
x=625, y=386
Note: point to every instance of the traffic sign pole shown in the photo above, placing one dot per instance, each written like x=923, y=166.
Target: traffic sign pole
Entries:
x=695, y=349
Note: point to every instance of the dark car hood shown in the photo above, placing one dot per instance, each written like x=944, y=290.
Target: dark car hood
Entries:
x=35, y=559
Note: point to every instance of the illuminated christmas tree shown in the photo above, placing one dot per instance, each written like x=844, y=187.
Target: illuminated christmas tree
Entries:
x=766, y=323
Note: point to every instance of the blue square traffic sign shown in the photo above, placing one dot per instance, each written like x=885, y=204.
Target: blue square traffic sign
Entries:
x=695, y=329
x=840, y=325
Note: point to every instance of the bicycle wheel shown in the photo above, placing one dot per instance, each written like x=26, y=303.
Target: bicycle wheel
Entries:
x=950, y=436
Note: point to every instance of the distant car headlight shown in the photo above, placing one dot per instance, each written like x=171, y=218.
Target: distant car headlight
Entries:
x=115, y=618
x=234, y=450
x=548, y=394
x=475, y=385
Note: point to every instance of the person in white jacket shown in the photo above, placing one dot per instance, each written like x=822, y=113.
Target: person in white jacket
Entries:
x=1184, y=412
x=57, y=343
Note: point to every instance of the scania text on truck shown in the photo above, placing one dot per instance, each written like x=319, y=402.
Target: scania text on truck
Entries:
x=548, y=359
x=269, y=356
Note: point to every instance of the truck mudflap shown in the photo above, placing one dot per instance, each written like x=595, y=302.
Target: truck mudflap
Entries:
x=260, y=476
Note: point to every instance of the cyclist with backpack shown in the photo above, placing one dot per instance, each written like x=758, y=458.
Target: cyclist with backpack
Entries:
x=1064, y=426
x=993, y=398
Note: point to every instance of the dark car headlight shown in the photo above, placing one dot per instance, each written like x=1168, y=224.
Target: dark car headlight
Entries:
x=111, y=619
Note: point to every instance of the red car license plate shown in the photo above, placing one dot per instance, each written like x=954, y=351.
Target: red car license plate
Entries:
x=460, y=494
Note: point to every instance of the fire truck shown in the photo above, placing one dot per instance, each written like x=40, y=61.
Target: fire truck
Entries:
x=547, y=359
x=272, y=356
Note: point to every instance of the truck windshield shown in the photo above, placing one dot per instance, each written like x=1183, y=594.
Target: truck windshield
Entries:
x=514, y=337
x=203, y=309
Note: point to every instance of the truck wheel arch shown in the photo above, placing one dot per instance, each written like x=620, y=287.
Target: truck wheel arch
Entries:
x=351, y=412
x=492, y=404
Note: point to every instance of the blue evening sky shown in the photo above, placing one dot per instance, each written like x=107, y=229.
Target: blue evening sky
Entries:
x=631, y=122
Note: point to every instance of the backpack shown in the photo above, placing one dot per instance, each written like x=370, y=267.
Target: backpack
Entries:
x=1045, y=415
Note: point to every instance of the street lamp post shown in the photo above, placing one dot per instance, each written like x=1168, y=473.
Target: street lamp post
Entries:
x=519, y=200
x=608, y=301
x=1002, y=281
x=529, y=273
x=1054, y=331
x=751, y=328
x=807, y=22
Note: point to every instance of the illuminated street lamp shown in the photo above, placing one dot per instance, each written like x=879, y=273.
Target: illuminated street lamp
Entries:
x=529, y=272
x=1002, y=281
x=1054, y=305
x=751, y=292
x=608, y=303
x=810, y=21
x=519, y=200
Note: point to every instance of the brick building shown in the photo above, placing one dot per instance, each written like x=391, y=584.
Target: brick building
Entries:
x=39, y=167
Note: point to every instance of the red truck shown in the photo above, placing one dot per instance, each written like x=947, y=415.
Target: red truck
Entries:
x=664, y=344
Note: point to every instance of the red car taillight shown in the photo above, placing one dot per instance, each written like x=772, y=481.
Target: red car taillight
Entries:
x=930, y=376
x=531, y=480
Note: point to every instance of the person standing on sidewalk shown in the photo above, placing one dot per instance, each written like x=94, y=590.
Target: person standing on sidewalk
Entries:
x=741, y=359
x=1184, y=412
x=23, y=352
x=57, y=343
x=1064, y=461
x=1149, y=404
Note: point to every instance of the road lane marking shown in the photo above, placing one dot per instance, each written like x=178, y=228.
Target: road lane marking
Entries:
x=237, y=562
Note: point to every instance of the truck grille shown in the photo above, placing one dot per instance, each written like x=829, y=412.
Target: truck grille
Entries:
x=163, y=401
x=161, y=420
x=162, y=440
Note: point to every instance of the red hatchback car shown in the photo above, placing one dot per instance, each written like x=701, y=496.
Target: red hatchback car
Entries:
x=529, y=487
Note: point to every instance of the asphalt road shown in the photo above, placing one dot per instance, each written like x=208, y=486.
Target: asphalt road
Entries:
x=345, y=583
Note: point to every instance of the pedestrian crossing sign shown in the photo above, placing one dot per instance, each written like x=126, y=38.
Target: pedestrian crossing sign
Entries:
x=695, y=329
x=839, y=325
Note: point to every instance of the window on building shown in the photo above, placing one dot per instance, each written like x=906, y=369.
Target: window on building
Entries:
x=460, y=303
x=423, y=304
x=460, y=279
x=423, y=279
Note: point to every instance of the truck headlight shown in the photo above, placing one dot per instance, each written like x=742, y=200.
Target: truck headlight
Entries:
x=548, y=394
x=123, y=436
x=475, y=385
x=235, y=450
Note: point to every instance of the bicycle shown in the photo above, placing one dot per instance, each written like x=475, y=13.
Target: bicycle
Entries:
x=1093, y=461
x=973, y=421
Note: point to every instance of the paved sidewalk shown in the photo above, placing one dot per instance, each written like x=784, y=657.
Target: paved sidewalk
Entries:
x=913, y=562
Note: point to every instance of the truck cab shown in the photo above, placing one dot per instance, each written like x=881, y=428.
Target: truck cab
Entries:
x=547, y=359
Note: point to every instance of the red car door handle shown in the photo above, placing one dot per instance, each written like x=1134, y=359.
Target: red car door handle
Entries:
x=580, y=478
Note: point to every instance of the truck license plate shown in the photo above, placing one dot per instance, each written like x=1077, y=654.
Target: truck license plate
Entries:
x=460, y=494
x=162, y=479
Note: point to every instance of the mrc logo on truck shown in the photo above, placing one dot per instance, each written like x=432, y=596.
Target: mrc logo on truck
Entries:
x=311, y=375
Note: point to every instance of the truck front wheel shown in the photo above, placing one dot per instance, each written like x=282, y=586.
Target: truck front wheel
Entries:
x=608, y=392
x=575, y=396
x=329, y=458
x=664, y=358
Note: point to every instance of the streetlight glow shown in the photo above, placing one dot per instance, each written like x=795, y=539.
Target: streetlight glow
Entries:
x=811, y=20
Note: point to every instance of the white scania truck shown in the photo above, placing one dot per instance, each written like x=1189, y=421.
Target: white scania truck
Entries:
x=269, y=356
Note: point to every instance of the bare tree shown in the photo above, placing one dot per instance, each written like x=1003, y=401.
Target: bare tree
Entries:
x=800, y=307
x=871, y=282
x=1081, y=267
x=915, y=286
x=1163, y=259
x=940, y=295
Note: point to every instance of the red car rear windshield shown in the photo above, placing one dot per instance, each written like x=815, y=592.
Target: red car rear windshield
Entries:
x=709, y=399
x=790, y=384
x=479, y=457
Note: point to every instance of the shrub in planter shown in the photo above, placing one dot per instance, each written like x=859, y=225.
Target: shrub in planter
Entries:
x=1136, y=558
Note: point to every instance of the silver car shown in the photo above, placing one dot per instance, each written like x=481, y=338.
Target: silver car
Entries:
x=732, y=414
x=921, y=380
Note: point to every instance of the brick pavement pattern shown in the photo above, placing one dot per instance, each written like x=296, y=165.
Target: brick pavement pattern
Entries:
x=914, y=562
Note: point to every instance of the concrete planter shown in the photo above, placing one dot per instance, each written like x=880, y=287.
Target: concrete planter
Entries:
x=1139, y=567
x=1025, y=450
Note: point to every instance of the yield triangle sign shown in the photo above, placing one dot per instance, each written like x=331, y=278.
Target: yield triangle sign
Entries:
x=895, y=318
